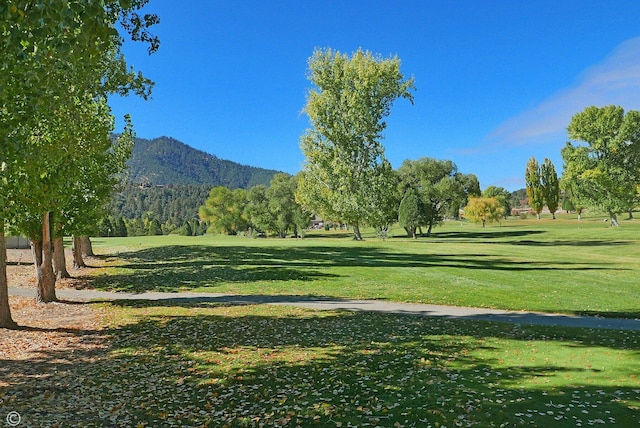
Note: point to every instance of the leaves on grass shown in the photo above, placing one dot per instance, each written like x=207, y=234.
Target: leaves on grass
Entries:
x=211, y=365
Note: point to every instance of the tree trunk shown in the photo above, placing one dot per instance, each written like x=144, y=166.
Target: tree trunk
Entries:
x=413, y=233
x=538, y=216
x=429, y=228
x=630, y=214
x=76, y=248
x=5, y=311
x=553, y=216
x=614, y=220
x=59, y=260
x=356, y=232
x=43, y=262
x=87, y=248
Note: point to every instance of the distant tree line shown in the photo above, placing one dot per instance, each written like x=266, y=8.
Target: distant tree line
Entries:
x=155, y=210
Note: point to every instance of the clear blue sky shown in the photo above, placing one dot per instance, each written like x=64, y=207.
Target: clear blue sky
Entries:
x=497, y=81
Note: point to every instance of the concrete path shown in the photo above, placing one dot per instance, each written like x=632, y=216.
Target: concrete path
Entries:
x=329, y=303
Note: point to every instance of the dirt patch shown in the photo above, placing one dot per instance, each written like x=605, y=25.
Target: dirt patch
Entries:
x=21, y=273
x=59, y=328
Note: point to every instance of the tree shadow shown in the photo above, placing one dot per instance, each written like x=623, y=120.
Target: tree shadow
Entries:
x=241, y=366
x=170, y=268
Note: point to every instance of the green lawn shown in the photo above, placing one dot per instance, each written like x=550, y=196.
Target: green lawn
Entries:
x=208, y=365
x=563, y=266
x=164, y=364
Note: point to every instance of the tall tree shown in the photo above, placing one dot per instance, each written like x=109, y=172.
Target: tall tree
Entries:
x=534, y=187
x=550, y=186
x=50, y=56
x=603, y=168
x=344, y=156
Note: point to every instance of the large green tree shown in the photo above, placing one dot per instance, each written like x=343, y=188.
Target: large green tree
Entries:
x=437, y=183
x=344, y=157
x=534, y=186
x=51, y=56
x=224, y=210
x=603, y=166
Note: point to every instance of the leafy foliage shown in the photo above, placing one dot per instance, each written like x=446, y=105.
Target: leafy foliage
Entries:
x=411, y=212
x=344, y=176
x=604, y=172
x=550, y=186
x=534, y=187
x=484, y=210
x=502, y=195
x=439, y=185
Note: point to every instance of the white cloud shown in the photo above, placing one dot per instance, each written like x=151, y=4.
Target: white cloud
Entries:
x=616, y=80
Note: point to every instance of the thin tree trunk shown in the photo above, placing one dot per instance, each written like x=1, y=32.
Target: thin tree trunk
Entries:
x=356, y=232
x=5, y=311
x=43, y=261
x=87, y=248
x=59, y=260
x=630, y=214
x=429, y=228
x=78, y=261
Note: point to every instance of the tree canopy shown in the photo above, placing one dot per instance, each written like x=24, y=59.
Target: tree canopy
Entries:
x=602, y=167
x=58, y=63
x=345, y=172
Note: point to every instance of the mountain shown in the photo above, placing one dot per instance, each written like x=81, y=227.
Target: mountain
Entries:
x=165, y=160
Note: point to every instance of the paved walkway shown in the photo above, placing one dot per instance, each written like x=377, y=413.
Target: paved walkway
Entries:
x=329, y=303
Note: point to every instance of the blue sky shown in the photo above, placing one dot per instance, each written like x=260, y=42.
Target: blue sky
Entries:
x=497, y=81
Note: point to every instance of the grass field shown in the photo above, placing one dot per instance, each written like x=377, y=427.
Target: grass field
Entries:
x=163, y=364
x=548, y=265
x=207, y=365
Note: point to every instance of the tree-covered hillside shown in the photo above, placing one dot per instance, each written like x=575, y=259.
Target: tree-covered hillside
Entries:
x=165, y=160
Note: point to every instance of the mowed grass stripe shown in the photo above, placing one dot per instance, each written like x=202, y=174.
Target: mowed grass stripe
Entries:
x=544, y=265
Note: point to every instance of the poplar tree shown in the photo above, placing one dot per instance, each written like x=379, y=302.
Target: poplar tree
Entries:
x=344, y=172
x=550, y=186
x=534, y=186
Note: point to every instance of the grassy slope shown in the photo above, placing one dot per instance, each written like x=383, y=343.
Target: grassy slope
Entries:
x=556, y=266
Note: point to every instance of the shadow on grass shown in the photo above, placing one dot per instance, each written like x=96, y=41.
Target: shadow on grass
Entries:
x=253, y=366
x=170, y=268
